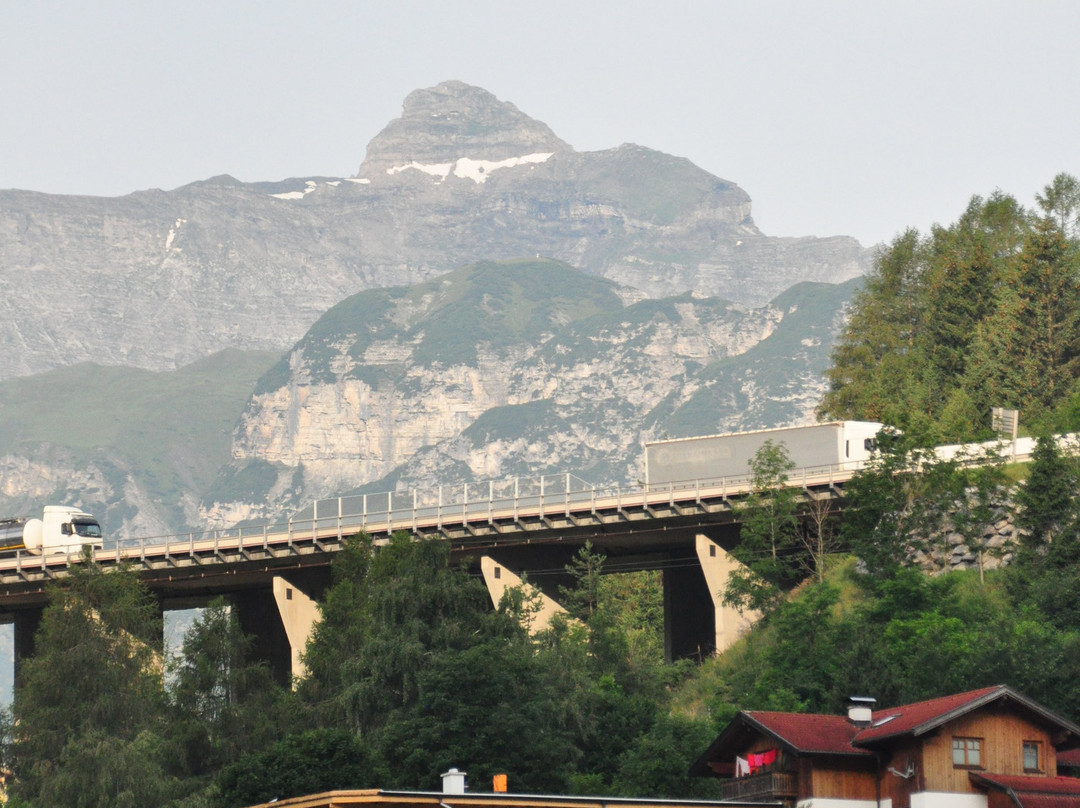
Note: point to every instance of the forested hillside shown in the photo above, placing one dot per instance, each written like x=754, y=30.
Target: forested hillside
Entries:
x=984, y=312
x=410, y=671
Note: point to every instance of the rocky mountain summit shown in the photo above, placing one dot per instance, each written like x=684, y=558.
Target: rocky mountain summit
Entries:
x=454, y=121
x=158, y=279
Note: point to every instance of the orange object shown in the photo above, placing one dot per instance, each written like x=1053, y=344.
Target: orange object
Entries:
x=498, y=782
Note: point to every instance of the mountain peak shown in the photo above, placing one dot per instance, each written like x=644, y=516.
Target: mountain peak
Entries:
x=451, y=121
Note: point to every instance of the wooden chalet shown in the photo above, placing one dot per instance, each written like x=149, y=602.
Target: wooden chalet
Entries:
x=988, y=748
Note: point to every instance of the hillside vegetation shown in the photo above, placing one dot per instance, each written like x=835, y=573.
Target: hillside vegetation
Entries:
x=982, y=313
x=164, y=435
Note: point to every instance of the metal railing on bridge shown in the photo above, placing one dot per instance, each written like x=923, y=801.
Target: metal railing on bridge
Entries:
x=433, y=509
x=419, y=510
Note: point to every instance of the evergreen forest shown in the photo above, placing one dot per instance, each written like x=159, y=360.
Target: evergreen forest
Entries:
x=411, y=671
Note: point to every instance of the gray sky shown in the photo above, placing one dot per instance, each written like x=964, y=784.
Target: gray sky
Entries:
x=859, y=118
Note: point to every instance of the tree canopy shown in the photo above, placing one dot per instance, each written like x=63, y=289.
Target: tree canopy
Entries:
x=90, y=709
x=981, y=313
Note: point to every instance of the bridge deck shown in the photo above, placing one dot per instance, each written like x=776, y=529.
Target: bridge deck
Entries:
x=471, y=526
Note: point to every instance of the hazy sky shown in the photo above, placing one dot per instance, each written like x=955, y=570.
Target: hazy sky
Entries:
x=859, y=118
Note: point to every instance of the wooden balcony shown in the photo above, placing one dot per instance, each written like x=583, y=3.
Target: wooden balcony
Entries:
x=766, y=787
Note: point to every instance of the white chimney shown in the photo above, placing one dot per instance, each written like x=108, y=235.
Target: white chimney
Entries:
x=453, y=782
x=861, y=710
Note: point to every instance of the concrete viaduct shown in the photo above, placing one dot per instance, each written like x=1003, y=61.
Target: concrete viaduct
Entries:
x=274, y=575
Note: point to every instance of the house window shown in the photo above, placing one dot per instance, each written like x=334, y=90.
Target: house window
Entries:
x=967, y=752
x=1032, y=756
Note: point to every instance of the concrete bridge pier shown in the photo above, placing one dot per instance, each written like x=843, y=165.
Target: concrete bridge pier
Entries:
x=716, y=565
x=697, y=623
x=25, y=624
x=689, y=630
x=280, y=620
x=498, y=578
x=299, y=614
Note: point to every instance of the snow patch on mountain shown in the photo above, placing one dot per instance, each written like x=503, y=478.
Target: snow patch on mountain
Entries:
x=440, y=170
x=311, y=185
x=467, y=168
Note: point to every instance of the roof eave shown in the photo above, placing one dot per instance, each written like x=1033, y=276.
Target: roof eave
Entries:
x=740, y=723
x=999, y=692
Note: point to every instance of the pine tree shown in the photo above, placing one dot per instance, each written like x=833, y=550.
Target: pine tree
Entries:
x=881, y=329
x=90, y=710
x=412, y=660
x=222, y=704
x=1027, y=353
x=1060, y=201
x=1047, y=498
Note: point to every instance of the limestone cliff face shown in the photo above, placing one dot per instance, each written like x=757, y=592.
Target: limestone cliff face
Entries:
x=478, y=376
x=497, y=370
x=158, y=279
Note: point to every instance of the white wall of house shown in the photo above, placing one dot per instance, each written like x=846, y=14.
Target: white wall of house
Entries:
x=822, y=802
x=945, y=799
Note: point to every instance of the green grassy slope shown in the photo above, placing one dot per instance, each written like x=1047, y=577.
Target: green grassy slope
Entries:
x=175, y=427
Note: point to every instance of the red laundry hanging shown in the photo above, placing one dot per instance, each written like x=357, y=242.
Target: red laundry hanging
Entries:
x=761, y=759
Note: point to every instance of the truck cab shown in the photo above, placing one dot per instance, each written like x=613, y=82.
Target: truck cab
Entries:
x=62, y=529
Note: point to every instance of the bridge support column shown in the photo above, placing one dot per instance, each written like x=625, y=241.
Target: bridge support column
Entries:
x=717, y=564
x=279, y=620
x=498, y=579
x=26, y=624
x=689, y=632
x=298, y=615
x=257, y=613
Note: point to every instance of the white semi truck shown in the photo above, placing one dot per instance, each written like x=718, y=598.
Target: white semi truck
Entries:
x=846, y=444
x=61, y=529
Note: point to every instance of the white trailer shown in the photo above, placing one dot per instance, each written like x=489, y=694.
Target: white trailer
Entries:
x=838, y=443
x=61, y=529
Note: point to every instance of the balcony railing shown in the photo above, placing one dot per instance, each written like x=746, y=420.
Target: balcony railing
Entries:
x=767, y=787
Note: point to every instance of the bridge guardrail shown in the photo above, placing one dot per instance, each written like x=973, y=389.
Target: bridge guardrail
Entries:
x=489, y=501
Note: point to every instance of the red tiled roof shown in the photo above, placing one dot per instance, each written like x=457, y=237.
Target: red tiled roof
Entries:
x=1040, y=785
x=911, y=717
x=1034, y=792
x=835, y=734
x=1048, y=801
x=1069, y=757
x=809, y=732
